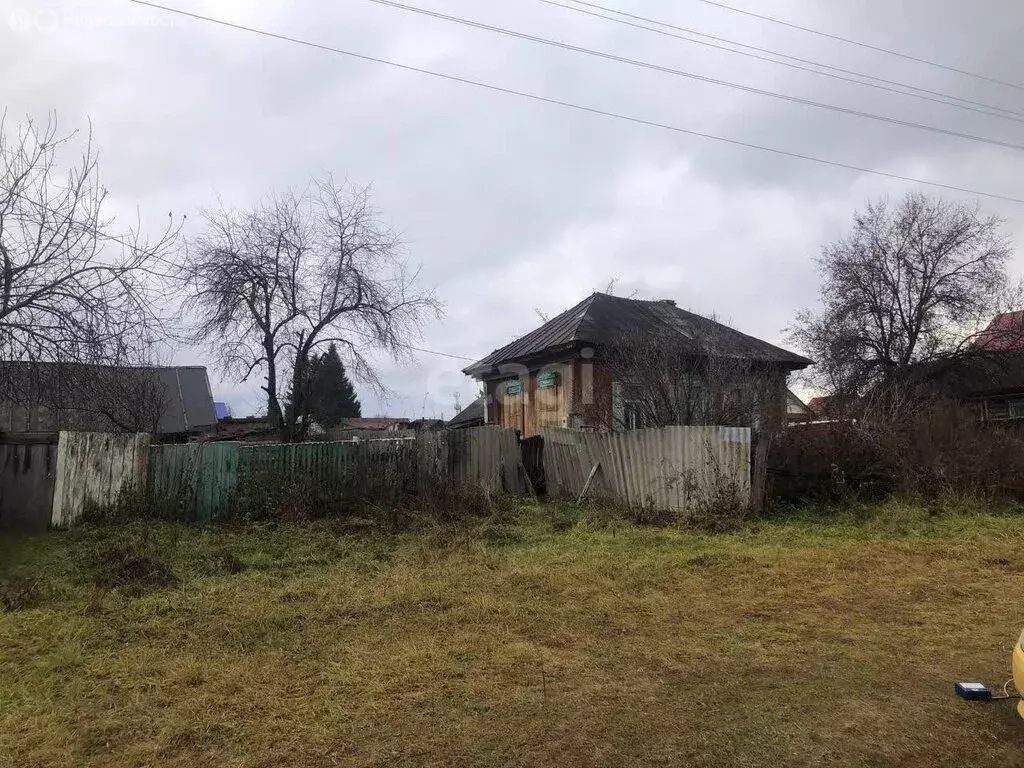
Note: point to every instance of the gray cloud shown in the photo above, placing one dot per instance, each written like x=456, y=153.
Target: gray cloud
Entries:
x=515, y=207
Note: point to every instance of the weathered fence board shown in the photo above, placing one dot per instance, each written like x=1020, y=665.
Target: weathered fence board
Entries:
x=347, y=435
x=93, y=470
x=199, y=478
x=486, y=458
x=205, y=478
x=27, y=474
x=667, y=468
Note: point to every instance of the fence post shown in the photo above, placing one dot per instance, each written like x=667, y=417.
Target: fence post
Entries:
x=60, y=480
x=759, y=470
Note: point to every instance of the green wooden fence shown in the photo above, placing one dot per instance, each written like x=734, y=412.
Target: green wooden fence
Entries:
x=198, y=480
x=201, y=481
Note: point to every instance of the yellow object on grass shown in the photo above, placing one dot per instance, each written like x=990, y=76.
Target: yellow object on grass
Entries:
x=1018, y=671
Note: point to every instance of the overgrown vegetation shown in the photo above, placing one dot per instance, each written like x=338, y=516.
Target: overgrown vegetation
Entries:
x=383, y=494
x=541, y=635
x=935, y=451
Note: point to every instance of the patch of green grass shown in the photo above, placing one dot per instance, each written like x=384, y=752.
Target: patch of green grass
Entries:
x=558, y=635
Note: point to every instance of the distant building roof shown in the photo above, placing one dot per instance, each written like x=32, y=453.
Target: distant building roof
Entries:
x=602, y=319
x=250, y=428
x=795, y=406
x=983, y=374
x=91, y=395
x=192, y=408
x=819, y=405
x=380, y=422
x=470, y=416
x=1006, y=331
x=426, y=425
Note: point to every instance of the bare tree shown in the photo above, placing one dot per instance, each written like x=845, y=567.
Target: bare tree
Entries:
x=274, y=284
x=914, y=281
x=661, y=382
x=75, y=295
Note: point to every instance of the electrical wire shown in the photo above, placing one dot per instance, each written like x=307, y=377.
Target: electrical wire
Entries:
x=572, y=105
x=111, y=238
x=881, y=83
x=694, y=76
x=99, y=235
x=1006, y=694
x=860, y=44
x=418, y=349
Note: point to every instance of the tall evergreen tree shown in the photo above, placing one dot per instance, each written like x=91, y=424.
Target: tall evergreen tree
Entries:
x=331, y=394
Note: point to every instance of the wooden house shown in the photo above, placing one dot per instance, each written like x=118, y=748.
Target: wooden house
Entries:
x=568, y=372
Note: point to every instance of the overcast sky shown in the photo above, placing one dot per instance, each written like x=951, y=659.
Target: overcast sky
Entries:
x=516, y=208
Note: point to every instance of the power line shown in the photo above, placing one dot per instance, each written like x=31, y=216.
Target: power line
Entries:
x=442, y=354
x=868, y=46
x=113, y=239
x=571, y=105
x=694, y=76
x=417, y=349
x=95, y=231
x=880, y=83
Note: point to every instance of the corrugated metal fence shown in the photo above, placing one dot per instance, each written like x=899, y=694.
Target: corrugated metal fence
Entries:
x=667, y=468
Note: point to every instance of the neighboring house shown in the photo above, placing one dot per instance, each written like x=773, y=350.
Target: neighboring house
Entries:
x=222, y=409
x=174, y=402
x=988, y=377
x=379, y=422
x=1006, y=331
x=989, y=382
x=567, y=371
x=470, y=416
x=797, y=412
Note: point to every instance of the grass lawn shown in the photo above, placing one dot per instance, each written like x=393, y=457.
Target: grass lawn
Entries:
x=527, y=643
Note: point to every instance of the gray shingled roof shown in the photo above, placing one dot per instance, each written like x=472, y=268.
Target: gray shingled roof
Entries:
x=601, y=319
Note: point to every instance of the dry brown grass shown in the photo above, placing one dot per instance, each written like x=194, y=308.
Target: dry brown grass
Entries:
x=800, y=643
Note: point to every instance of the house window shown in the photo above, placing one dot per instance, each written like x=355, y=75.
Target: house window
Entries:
x=1016, y=408
x=628, y=411
x=691, y=399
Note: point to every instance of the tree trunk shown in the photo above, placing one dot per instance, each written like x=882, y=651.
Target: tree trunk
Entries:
x=298, y=420
x=274, y=416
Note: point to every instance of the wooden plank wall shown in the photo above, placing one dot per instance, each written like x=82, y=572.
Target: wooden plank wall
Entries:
x=199, y=478
x=93, y=469
x=202, y=479
x=27, y=474
x=534, y=408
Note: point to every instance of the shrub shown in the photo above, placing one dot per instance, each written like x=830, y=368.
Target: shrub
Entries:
x=125, y=568
x=389, y=496
x=20, y=593
x=832, y=462
x=935, y=451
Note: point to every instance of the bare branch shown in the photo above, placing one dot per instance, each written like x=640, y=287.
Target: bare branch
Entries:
x=274, y=285
x=913, y=282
